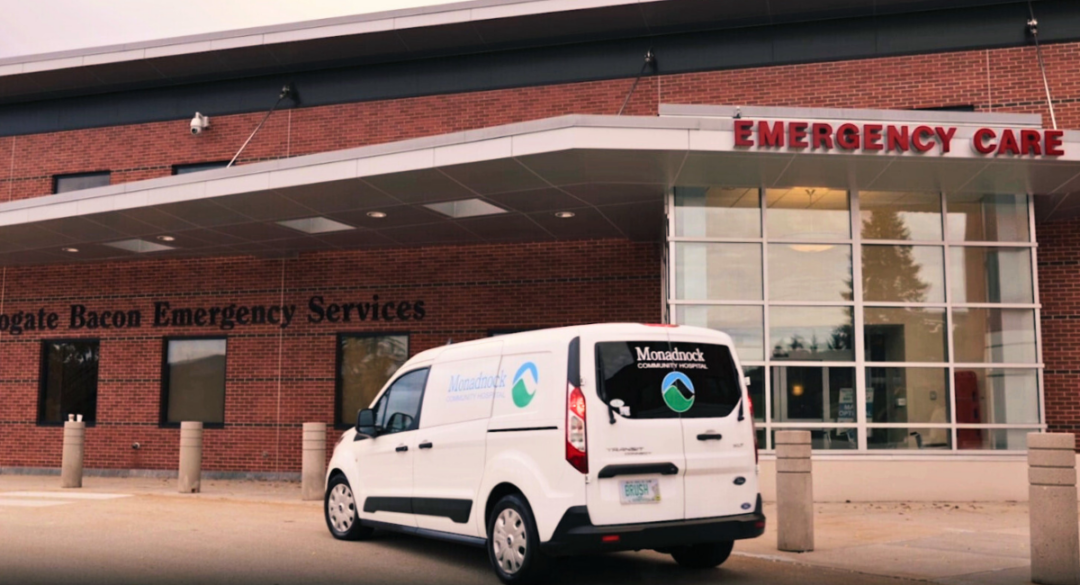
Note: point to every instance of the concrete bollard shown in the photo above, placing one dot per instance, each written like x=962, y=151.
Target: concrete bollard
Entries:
x=794, y=492
x=71, y=465
x=191, y=435
x=313, y=472
x=1055, y=536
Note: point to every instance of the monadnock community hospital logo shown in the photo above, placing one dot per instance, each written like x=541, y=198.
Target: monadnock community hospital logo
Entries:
x=526, y=381
x=678, y=392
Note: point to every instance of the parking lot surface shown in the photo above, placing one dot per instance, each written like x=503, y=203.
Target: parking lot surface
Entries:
x=78, y=537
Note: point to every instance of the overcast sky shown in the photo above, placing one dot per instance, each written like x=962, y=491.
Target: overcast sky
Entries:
x=29, y=27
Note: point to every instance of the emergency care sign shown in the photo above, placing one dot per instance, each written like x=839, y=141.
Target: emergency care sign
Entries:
x=895, y=138
x=80, y=317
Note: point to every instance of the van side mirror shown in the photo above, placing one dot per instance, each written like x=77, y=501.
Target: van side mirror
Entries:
x=365, y=423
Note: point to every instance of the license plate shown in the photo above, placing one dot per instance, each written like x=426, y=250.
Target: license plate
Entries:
x=639, y=491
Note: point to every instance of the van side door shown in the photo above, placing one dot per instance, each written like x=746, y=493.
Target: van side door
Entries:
x=385, y=461
x=453, y=432
x=721, y=471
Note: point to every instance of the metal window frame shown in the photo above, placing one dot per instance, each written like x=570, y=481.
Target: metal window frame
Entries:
x=860, y=363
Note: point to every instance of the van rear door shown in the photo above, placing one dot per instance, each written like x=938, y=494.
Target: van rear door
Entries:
x=636, y=462
x=721, y=472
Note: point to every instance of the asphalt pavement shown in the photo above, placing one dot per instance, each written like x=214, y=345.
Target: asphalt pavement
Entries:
x=77, y=537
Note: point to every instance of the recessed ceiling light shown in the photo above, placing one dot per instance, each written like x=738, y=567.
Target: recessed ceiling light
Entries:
x=465, y=208
x=139, y=246
x=315, y=225
x=376, y=214
x=564, y=214
x=166, y=238
x=70, y=250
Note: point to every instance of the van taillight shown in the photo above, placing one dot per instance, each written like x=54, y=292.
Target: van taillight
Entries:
x=576, y=453
x=753, y=425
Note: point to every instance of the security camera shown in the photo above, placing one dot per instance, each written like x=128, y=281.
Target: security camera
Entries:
x=199, y=123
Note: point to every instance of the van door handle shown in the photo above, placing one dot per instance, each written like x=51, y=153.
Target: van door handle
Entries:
x=402, y=448
x=710, y=437
x=426, y=445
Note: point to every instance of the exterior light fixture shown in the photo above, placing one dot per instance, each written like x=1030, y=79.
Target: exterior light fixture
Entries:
x=376, y=214
x=564, y=214
x=166, y=238
x=70, y=250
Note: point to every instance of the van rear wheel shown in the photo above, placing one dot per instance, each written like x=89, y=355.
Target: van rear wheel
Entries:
x=703, y=556
x=514, y=543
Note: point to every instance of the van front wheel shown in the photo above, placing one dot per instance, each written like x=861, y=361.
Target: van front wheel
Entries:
x=339, y=507
x=514, y=543
x=703, y=556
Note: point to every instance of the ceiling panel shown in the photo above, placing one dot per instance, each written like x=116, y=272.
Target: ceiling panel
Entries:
x=401, y=215
x=495, y=176
x=506, y=228
x=639, y=221
x=421, y=186
x=572, y=167
x=265, y=205
x=586, y=223
x=832, y=171
x=203, y=213
x=338, y=196
x=919, y=174
x=550, y=199
x=732, y=170
x=446, y=232
x=609, y=194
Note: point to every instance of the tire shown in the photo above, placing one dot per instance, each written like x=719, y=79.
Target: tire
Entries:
x=513, y=543
x=707, y=555
x=339, y=509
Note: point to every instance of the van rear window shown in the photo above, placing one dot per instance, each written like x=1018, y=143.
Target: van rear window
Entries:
x=668, y=380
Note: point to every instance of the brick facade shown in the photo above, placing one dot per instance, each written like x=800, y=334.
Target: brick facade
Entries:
x=278, y=378
x=468, y=290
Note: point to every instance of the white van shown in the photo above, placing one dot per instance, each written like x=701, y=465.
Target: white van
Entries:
x=562, y=441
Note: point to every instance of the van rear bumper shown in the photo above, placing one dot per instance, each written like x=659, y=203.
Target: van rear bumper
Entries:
x=576, y=533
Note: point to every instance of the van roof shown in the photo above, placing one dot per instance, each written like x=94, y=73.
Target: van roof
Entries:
x=575, y=330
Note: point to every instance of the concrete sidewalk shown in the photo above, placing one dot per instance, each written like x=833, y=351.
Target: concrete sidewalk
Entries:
x=954, y=543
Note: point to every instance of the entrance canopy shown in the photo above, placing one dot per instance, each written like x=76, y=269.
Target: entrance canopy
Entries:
x=569, y=177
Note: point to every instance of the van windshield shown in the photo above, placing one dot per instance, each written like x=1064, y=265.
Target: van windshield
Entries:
x=668, y=380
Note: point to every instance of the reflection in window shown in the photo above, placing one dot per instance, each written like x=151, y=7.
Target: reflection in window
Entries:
x=908, y=395
x=900, y=216
x=903, y=274
x=993, y=439
x=756, y=389
x=994, y=335
x=744, y=324
x=809, y=272
x=988, y=218
x=811, y=333
x=904, y=334
x=195, y=377
x=991, y=275
x=399, y=408
x=69, y=381
x=812, y=394
x=912, y=438
x=996, y=396
x=829, y=439
x=717, y=212
x=366, y=363
x=729, y=272
x=808, y=213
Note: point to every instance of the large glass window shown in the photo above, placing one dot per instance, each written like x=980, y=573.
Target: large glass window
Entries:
x=729, y=272
x=991, y=275
x=875, y=320
x=365, y=363
x=900, y=216
x=69, y=377
x=808, y=213
x=716, y=212
x=809, y=272
x=80, y=181
x=194, y=381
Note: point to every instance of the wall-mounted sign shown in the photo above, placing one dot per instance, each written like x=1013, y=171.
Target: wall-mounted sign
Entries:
x=80, y=317
x=867, y=137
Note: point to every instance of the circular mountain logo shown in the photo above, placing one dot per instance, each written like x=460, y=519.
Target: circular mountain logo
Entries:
x=678, y=392
x=526, y=381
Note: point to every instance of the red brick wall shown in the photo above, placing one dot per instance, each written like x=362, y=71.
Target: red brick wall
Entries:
x=467, y=291
x=1059, y=291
